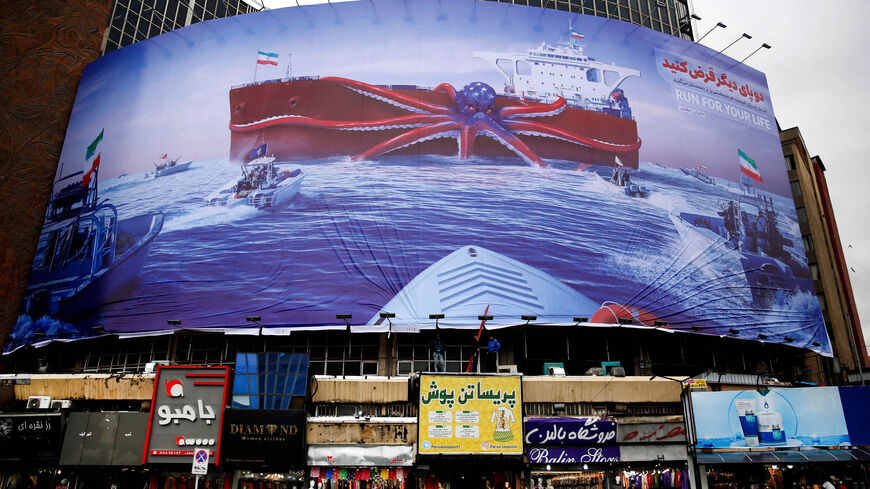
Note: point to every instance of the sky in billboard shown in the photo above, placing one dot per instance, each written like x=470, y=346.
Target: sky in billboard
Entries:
x=473, y=159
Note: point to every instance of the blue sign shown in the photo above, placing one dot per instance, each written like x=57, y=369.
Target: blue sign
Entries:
x=570, y=431
x=788, y=418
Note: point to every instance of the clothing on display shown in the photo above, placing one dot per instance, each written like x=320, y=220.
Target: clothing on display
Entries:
x=655, y=479
x=358, y=478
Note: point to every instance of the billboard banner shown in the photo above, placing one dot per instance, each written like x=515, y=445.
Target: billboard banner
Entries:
x=570, y=431
x=187, y=412
x=474, y=159
x=782, y=418
x=470, y=414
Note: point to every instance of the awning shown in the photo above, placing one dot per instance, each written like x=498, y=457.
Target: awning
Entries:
x=784, y=456
x=361, y=456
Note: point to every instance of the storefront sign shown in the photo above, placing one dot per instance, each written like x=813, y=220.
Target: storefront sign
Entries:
x=573, y=454
x=272, y=438
x=570, y=431
x=651, y=433
x=361, y=456
x=186, y=413
x=373, y=433
x=30, y=437
x=106, y=438
x=464, y=414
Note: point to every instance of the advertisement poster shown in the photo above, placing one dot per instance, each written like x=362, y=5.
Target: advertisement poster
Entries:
x=782, y=418
x=477, y=158
x=186, y=413
x=468, y=414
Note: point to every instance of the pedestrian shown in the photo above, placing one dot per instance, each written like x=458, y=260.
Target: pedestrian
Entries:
x=437, y=347
x=492, y=354
x=829, y=484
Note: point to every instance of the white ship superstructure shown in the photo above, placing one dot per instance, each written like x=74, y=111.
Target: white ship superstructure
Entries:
x=547, y=72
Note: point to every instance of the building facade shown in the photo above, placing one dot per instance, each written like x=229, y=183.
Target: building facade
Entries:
x=826, y=260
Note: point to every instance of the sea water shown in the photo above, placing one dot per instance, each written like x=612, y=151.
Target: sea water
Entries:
x=358, y=232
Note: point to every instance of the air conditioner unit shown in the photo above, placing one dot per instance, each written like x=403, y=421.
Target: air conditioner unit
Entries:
x=39, y=402
x=61, y=404
x=507, y=369
x=151, y=367
x=556, y=371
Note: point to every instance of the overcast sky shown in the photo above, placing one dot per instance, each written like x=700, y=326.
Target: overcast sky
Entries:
x=815, y=71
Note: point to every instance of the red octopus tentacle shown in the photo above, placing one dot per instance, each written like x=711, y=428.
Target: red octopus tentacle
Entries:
x=548, y=130
x=408, y=138
x=448, y=89
x=539, y=110
x=513, y=143
x=389, y=94
x=290, y=120
x=611, y=313
x=467, y=135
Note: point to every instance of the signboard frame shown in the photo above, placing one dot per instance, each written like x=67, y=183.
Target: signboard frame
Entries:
x=224, y=375
x=421, y=424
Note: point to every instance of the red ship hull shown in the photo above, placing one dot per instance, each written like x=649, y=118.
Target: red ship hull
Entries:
x=330, y=100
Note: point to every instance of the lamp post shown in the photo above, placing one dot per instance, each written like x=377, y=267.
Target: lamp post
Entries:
x=718, y=24
x=742, y=36
x=764, y=45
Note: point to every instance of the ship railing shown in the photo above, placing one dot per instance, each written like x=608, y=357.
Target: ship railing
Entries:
x=276, y=80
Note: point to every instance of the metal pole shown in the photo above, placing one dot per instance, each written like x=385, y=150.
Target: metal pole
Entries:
x=196, y=484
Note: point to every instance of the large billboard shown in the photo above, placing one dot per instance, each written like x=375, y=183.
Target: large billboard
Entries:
x=393, y=157
x=470, y=414
x=783, y=418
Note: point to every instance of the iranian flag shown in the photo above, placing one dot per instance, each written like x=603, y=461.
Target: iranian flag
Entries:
x=267, y=58
x=576, y=35
x=748, y=166
x=92, y=159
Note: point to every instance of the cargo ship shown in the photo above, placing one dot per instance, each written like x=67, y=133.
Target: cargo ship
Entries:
x=577, y=112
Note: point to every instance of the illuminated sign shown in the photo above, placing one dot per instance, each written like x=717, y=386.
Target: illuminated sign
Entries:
x=186, y=413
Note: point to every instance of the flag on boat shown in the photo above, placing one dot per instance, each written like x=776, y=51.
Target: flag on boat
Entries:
x=576, y=35
x=748, y=166
x=92, y=159
x=164, y=156
x=267, y=58
x=258, y=152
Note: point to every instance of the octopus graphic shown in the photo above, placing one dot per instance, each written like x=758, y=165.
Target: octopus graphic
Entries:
x=470, y=113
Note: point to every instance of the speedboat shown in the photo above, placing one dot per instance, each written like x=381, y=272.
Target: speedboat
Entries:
x=169, y=167
x=698, y=172
x=620, y=177
x=86, y=256
x=745, y=233
x=263, y=184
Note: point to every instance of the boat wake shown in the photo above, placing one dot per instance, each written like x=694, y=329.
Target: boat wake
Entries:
x=208, y=217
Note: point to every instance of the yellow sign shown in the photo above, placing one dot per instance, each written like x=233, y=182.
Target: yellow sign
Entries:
x=470, y=414
x=696, y=383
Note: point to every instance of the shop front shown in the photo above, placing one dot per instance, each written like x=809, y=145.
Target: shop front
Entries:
x=470, y=432
x=187, y=412
x=264, y=449
x=29, y=451
x=103, y=450
x=593, y=453
x=782, y=438
x=360, y=466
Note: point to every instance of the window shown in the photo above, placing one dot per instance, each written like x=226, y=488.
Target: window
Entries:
x=808, y=242
x=610, y=77
x=524, y=68
x=414, y=355
x=592, y=75
x=789, y=162
x=814, y=271
x=796, y=189
x=269, y=380
x=822, y=302
x=802, y=215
